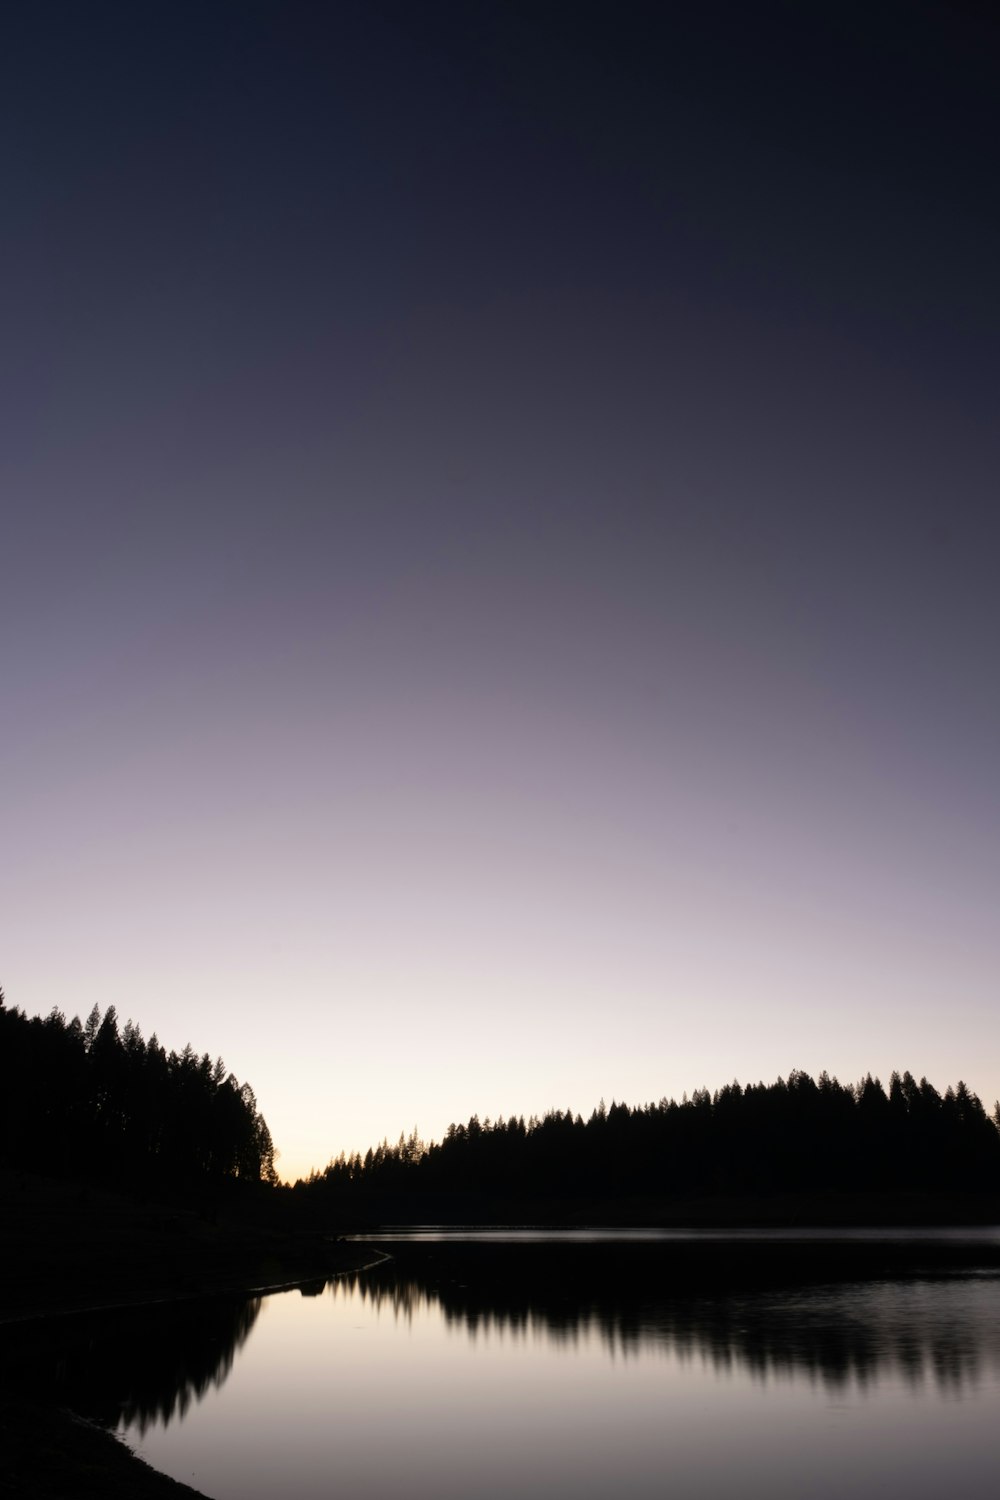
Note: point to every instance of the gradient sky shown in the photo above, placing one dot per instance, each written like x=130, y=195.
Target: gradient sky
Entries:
x=500, y=540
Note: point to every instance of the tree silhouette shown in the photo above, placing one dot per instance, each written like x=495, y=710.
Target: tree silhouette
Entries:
x=797, y=1135
x=90, y=1100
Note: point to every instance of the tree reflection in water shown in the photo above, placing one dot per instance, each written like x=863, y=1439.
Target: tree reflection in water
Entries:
x=942, y=1331
x=196, y=1362
x=139, y=1366
x=147, y=1367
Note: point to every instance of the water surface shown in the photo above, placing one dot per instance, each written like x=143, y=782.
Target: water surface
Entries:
x=434, y=1377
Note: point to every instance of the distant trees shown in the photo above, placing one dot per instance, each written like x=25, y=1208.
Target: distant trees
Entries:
x=90, y=1099
x=797, y=1135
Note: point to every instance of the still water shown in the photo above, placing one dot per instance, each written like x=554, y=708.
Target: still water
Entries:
x=435, y=1375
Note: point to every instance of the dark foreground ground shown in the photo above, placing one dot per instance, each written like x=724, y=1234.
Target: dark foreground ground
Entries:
x=66, y=1249
x=50, y=1454
x=67, y=1246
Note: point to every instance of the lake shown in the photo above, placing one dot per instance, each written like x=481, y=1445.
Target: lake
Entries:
x=531, y=1366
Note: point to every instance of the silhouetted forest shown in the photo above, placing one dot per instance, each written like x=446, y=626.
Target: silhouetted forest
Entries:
x=87, y=1099
x=798, y=1135
x=91, y=1099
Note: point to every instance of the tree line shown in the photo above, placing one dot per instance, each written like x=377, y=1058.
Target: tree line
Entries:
x=95, y=1100
x=797, y=1135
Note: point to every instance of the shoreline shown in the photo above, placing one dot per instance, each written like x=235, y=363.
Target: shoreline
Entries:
x=51, y=1452
x=69, y=1250
x=17, y=1317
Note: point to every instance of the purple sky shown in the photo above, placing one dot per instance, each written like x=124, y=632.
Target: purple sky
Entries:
x=500, y=598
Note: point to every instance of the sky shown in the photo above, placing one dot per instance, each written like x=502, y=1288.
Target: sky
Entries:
x=499, y=538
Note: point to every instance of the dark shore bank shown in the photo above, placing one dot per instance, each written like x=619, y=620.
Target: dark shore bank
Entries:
x=51, y=1454
x=67, y=1251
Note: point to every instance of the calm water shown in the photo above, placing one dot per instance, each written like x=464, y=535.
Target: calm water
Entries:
x=435, y=1376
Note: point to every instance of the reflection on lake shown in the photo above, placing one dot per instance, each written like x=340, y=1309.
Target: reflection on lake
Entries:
x=917, y=1332
x=138, y=1368
x=447, y=1373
